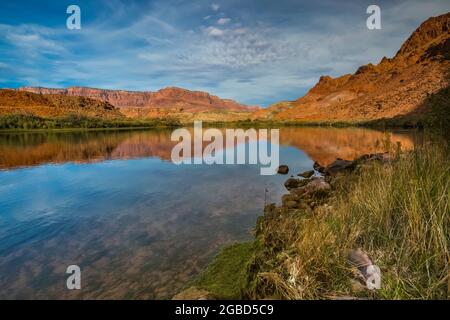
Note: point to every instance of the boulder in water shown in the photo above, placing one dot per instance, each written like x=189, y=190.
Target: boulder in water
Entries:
x=283, y=169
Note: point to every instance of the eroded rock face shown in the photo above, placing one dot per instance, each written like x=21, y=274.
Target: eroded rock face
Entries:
x=168, y=98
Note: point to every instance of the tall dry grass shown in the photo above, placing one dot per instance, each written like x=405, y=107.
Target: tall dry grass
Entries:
x=399, y=214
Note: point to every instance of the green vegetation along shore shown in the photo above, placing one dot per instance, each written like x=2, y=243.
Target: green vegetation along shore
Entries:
x=395, y=209
x=28, y=122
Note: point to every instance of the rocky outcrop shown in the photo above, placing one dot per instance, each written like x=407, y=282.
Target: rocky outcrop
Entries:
x=393, y=88
x=311, y=191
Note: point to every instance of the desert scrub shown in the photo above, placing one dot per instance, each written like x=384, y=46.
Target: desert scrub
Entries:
x=398, y=213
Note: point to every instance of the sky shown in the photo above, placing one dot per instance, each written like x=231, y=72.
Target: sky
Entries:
x=256, y=52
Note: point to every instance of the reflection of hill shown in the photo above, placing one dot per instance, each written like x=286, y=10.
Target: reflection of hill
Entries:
x=325, y=145
x=320, y=144
x=145, y=144
x=28, y=149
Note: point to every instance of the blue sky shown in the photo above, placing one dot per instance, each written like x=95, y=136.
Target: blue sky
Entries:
x=253, y=51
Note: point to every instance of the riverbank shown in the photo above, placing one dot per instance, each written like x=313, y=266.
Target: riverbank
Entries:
x=33, y=123
x=393, y=210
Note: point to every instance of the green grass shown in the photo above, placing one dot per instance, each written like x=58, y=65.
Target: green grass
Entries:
x=399, y=214
x=28, y=122
x=226, y=275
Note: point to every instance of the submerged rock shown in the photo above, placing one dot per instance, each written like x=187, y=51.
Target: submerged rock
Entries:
x=283, y=169
x=306, y=174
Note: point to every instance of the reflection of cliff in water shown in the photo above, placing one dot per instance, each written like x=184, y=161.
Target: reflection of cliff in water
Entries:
x=324, y=145
x=320, y=144
x=31, y=149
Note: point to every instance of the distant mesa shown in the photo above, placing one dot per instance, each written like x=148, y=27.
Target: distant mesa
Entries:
x=167, y=101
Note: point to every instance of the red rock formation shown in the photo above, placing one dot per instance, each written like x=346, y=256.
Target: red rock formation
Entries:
x=174, y=99
x=55, y=105
x=395, y=87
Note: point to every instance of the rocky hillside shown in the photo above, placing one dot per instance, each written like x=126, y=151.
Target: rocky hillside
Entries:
x=165, y=102
x=47, y=106
x=395, y=87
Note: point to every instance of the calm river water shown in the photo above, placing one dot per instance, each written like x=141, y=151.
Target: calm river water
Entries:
x=139, y=226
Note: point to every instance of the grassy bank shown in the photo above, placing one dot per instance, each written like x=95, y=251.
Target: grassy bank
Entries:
x=397, y=213
x=227, y=275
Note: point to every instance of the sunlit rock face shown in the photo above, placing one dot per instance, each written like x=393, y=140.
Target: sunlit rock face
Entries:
x=396, y=87
x=152, y=104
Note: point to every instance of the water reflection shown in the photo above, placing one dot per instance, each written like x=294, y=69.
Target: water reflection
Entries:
x=137, y=225
x=320, y=144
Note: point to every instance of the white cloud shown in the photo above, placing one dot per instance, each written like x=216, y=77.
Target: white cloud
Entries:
x=214, y=32
x=215, y=7
x=223, y=21
x=32, y=40
x=240, y=30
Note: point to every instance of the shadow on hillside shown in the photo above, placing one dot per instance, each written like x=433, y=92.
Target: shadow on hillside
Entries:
x=433, y=113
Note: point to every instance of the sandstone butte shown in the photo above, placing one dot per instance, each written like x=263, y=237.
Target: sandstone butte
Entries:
x=396, y=87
